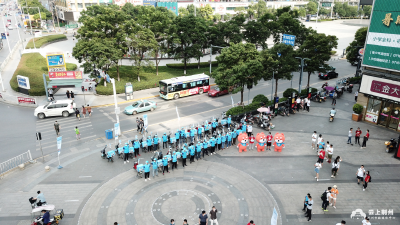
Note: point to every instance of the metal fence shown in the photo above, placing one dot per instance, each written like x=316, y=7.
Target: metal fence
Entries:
x=14, y=162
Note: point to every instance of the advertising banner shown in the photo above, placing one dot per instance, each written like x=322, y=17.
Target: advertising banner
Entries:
x=382, y=48
x=23, y=82
x=381, y=88
x=173, y=6
x=288, y=39
x=55, y=60
x=150, y=3
x=65, y=75
x=26, y=100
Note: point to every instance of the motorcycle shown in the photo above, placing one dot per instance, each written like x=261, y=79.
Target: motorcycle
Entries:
x=283, y=111
x=391, y=145
x=103, y=152
x=324, y=85
x=350, y=88
x=331, y=117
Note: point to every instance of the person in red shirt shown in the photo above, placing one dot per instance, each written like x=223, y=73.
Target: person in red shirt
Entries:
x=251, y=140
x=366, y=137
x=358, y=134
x=269, y=141
x=321, y=156
x=251, y=223
x=367, y=180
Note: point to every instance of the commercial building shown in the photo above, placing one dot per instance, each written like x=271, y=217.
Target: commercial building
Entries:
x=380, y=85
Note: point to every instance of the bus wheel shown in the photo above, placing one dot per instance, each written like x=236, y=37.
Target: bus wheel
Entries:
x=201, y=91
x=176, y=96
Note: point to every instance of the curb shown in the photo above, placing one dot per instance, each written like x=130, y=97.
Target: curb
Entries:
x=47, y=43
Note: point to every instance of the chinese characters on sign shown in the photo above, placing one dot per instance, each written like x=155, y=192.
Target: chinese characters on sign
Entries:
x=388, y=19
x=385, y=88
x=288, y=39
x=382, y=214
x=65, y=75
x=26, y=100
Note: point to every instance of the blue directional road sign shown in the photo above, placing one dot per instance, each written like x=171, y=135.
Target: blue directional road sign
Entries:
x=288, y=39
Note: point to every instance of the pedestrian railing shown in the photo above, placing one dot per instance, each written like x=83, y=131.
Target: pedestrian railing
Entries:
x=15, y=162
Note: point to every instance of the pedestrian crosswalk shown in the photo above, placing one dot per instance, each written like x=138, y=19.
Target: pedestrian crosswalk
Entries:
x=67, y=131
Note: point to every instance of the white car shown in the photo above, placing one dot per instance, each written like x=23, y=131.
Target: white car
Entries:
x=10, y=27
x=55, y=108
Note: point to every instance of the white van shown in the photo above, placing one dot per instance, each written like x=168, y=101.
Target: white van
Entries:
x=55, y=108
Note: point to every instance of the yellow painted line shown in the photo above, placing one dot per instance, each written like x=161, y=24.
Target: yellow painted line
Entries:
x=133, y=100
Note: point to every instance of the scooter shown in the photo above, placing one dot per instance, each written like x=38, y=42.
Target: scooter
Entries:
x=331, y=117
x=391, y=145
x=110, y=156
x=103, y=152
x=350, y=88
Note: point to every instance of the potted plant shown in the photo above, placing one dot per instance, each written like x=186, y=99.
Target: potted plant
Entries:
x=357, y=112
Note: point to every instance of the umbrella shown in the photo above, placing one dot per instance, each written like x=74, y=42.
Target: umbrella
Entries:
x=263, y=109
x=329, y=88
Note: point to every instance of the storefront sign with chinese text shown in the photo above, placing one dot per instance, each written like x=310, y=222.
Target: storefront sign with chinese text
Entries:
x=26, y=100
x=65, y=75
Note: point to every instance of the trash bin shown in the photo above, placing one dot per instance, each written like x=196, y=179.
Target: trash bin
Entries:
x=109, y=134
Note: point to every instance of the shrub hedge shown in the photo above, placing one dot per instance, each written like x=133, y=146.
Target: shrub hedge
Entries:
x=254, y=105
x=44, y=40
x=289, y=91
x=191, y=65
x=260, y=98
x=357, y=108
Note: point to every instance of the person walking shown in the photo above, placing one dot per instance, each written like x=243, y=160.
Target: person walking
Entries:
x=205, y=148
x=198, y=151
x=342, y=223
x=357, y=137
x=306, y=201
x=355, y=95
x=184, y=156
x=174, y=161
x=334, y=193
x=146, y=171
x=213, y=216
x=126, y=153
x=137, y=124
x=249, y=130
x=50, y=91
x=203, y=218
x=325, y=199
x=251, y=223
x=350, y=135
x=366, y=180
x=251, y=141
x=309, y=208
x=89, y=109
x=68, y=94
x=338, y=159
x=321, y=156
x=57, y=128
x=334, y=98
x=329, y=149
x=365, y=139
x=155, y=167
x=308, y=105
x=366, y=221
x=165, y=165
x=77, y=114
x=298, y=101
x=84, y=111
x=335, y=167
x=317, y=168
x=314, y=137
x=136, y=146
x=72, y=95
x=360, y=174
x=165, y=141
x=192, y=153
x=78, y=134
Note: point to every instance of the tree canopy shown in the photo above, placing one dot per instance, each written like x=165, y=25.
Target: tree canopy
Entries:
x=356, y=44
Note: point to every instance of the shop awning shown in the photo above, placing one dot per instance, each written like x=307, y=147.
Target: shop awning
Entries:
x=65, y=83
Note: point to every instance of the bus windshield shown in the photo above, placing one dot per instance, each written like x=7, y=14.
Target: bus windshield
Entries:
x=163, y=87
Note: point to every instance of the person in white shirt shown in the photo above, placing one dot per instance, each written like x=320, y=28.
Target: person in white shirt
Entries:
x=329, y=150
x=360, y=174
x=309, y=207
x=308, y=104
x=355, y=95
x=341, y=223
x=317, y=168
x=350, y=135
x=298, y=101
x=366, y=221
x=249, y=130
x=314, y=139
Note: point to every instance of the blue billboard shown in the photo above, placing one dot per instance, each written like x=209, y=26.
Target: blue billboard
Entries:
x=55, y=60
x=288, y=39
x=150, y=3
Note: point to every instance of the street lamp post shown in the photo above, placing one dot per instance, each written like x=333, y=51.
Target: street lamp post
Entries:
x=213, y=46
x=301, y=72
x=30, y=21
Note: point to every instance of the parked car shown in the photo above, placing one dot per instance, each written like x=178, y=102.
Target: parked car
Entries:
x=140, y=106
x=215, y=91
x=55, y=108
x=330, y=73
x=10, y=27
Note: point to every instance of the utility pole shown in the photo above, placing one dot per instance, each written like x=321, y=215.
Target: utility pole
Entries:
x=272, y=81
x=117, y=110
x=213, y=46
x=301, y=72
x=316, y=19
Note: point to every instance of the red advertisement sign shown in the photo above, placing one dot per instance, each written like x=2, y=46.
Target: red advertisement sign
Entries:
x=65, y=75
x=385, y=88
x=26, y=100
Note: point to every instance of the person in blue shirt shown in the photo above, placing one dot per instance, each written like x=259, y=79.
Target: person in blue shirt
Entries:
x=192, y=153
x=155, y=167
x=206, y=129
x=229, y=139
x=234, y=135
x=205, y=147
x=219, y=141
x=223, y=140
x=198, y=151
x=177, y=135
x=229, y=121
x=136, y=146
x=214, y=126
x=224, y=122
x=149, y=143
x=183, y=136
x=165, y=141
x=184, y=155
x=212, y=143
x=144, y=146
x=155, y=140
x=46, y=217
x=126, y=153
x=174, y=161
x=244, y=126
x=146, y=171
x=165, y=165
x=171, y=141
x=192, y=132
x=199, y=132
x=131, y=151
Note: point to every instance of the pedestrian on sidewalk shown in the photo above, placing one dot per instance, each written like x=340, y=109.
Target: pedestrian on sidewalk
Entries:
x=269, y=141
x=306, y=201
x=223, y=140
x=50, y=91
x=213, y=216
x=219, y=142
x=308, y=104
x=234, y=135
x=185, y=222
x=165, y=165
x=317, y=166
x=136, y=146
x=174, y=161
x=146, y=171
x=165, y=141
x=298, y=101
x=77, y=114
x=251, y=223
x=205, y=148
x=89, y=109
x=68, y=94
x=357, y=137
x=350, y=135
x=90, y=86
x=325, y=199
x=342, y=223
x=229, y=139
x=155, y=143
x=367, y=180
x=360, y=174
x=321, y=156
x=314, y=137
x=366, y=221
x=366, y=137
x=198, y=151
x=192, y=153
x=137, y=124
x=309, y=208
x=335, y=167
x=249, y=130
x=84, y=111
x=144, y=146
x=78, y=134
x=251, y=141
x=334, y=193
x=57, y=128
x=155, y=167
x=72, y=95
x=203, y=218
x=184, y=155
x=141, y=125
x=329, y=149
x=126, y=153
x=334, y=98
x=338, y=159
x=355, y=95
x=172, y=222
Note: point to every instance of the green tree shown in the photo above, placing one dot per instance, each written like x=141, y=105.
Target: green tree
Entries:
x=257, y=32
x=324, y=11
x=367, y=10
x=217, y=17
x=317, y=47
x=257, y=10
x=206, y=12
x=339, y=9
x=227, y=17
x=238, y=66
x=232, y=29
x=182, y=11
x=356, y=44
x=186, y=36
x=37, y=16
x=283, y=63
x=311, y=7
x=34, y=3
x=100, y=48
x=352, y=11
x=240, y=10
x=302, y=12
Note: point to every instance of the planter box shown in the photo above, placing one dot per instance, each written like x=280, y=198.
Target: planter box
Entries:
x=356, y=117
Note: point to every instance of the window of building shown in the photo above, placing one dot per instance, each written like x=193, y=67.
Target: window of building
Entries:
x=374, y=106
x=80, y=6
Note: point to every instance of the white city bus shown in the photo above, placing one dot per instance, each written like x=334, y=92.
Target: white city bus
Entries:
x=177, y=87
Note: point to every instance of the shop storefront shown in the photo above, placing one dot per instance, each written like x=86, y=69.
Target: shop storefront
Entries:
x=383, y=105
